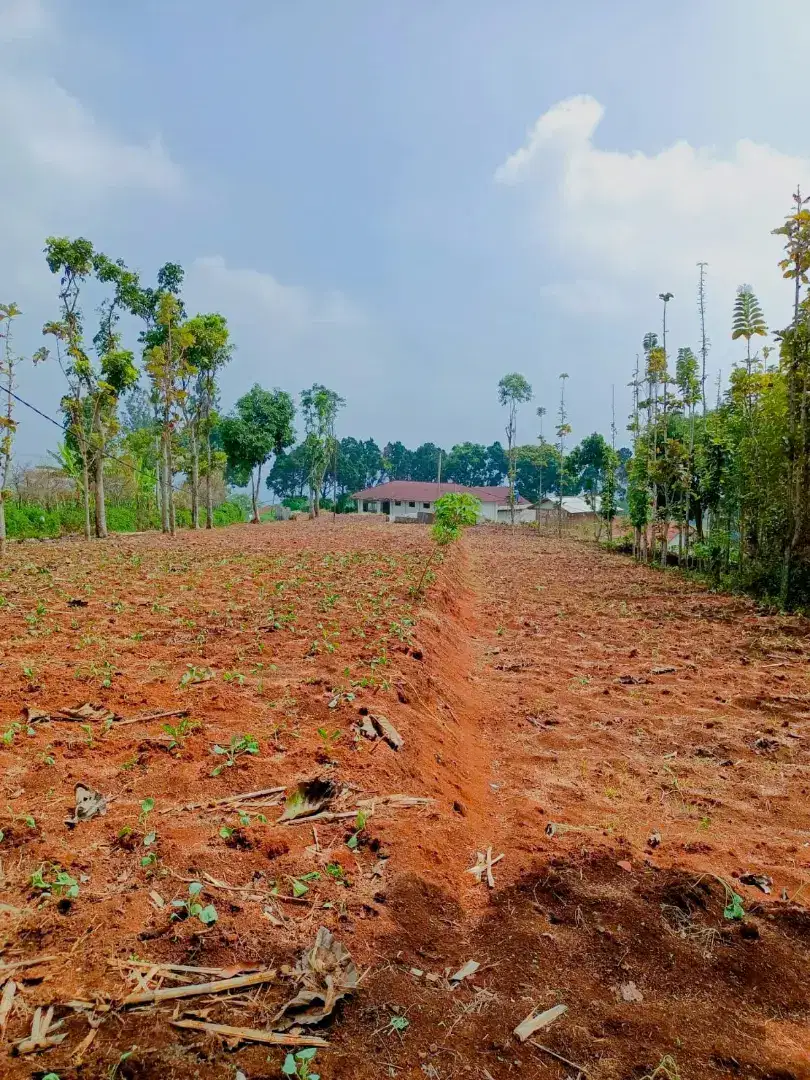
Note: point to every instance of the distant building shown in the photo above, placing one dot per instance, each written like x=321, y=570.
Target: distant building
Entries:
x=576, y=509
x=412, y=499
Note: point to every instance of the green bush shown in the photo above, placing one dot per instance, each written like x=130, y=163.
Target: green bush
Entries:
x=27, y=521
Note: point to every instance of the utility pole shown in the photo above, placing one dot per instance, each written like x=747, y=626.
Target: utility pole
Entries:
x=704, y=341
x=439, y=474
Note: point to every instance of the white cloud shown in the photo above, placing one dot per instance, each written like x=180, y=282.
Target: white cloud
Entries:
x=636, y=223
x=62, y=168
x=22, y=19
x=280, y=310
x=49, y=130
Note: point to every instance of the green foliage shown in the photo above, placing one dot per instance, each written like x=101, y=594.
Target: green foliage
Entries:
x=239, y=746
x=51, y=880
x=298, y=1064
x=191, y=908
x=260, y=426
x=453, y=512
x=320, y=407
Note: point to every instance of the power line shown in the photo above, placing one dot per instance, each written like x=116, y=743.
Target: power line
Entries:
x=56, y=423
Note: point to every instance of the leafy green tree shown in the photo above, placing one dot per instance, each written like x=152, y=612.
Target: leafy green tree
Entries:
x=497, y=465
x=72, y=260
x=563, y=431
x=210, y=350
x=466, y=464
x=425, y=462
x=320, y=407
x=288, y=477
x=513, y=390
x=359, y=465
x=260, y=426
x=748, y=320
x=397, y=460
x=167, y=365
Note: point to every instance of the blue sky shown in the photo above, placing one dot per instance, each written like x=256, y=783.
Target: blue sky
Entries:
x=408, y=200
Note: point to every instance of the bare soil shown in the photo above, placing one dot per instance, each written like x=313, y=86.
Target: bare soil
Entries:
x=631, y=743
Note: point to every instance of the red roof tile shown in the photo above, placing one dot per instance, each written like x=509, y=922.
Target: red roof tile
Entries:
x=416, y=491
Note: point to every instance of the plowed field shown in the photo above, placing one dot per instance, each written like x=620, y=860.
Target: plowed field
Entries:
x=636, y=748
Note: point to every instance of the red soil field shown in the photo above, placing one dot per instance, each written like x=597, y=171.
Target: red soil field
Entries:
x=631, y=743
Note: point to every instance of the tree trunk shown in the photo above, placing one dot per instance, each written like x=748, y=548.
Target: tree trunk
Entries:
x=164, y=485
x=195, y=478
x=254, y=490
x=101, y=503
x=86, y=495
x=209, y=503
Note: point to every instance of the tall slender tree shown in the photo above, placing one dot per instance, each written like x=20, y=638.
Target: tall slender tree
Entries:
x=513, y=390
x=320, y=407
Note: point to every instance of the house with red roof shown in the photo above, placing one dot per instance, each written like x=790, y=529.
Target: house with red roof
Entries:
x=411, y=498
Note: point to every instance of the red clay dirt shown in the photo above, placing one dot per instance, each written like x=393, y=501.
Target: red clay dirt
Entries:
x=631, y=743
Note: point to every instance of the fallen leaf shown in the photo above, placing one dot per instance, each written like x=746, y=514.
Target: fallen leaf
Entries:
x=625, y=865
x=308, y=798
x=630, y=992
x=326, y=974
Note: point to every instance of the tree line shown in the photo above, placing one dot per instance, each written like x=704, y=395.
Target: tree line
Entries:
x=731, y=477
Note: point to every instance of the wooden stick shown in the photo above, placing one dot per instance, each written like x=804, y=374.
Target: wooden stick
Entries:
x=152, y=716
x=326, y=815
x=271, y=1038
x=194, y=989
x=5, y=969
x=177, y=967
x=490, y=878
x=7, y=1000
x=227, y=801
x=559, y=1057
x=84, y=1045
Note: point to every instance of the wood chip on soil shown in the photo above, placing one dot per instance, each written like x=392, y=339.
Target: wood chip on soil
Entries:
x=533, y=1023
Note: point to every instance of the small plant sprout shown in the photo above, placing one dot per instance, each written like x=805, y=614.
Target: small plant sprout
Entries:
x=453, y=512
x=191, y=908
x=329, y=738
x=298, y=1064
x=52, y=880
x=238, y=747
x=359, y=825
x=195, y=675
x=297, y=883
x=179, y=732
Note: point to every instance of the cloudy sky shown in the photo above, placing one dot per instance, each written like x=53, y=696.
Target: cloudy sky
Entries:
x=407, y=200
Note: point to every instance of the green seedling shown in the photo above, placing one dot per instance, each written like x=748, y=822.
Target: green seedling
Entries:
x=329, y=738
x=238, y=747
x=26, y=819
x=10, y=733
x=149, y=860
x=147, y=806
x=298, y=1064
x=335, y=870
x=298, y=886
x=398, y=1024
x=52, y=880
x=88, y=732
x=195, y=675
x=359, y=825
x=180, y=731
x=234, y=676
x=191, y=908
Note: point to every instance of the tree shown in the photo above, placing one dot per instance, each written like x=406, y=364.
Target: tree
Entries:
x=397, y=461
x=467, y=464
x=320, y=407
x=424, y=465
x=288, y=476
x=9, y=361
x=73, y=261
x=118, y=371
x=747, y=320
x=359, y=465
x=168, y=367
x=513, y=390
x=209, y=351
x=260, y=426
x=452, y=513
x=497, y=465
